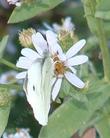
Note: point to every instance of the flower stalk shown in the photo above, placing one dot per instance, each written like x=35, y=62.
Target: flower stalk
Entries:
x=96, y=27
x=104, y=49
x=9, y=64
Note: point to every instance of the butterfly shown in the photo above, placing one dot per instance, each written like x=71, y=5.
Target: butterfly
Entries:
x=37, y=86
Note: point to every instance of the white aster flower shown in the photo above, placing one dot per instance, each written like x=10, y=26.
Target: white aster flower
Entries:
x=67, y=26
x=14, y=2
x=64, y=67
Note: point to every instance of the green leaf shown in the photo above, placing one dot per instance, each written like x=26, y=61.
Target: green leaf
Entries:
x=66, y=120
x=103, y=10
x=65, y=89
x=97, y=99
x=27, y=11
x=103, y=128
x=107, y=28
x=89, y=13
x=4, y=108
x=103, y=125
x=3, y=45
x=4, y=114
x=74, y=114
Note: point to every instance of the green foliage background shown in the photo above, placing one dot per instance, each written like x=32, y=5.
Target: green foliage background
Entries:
x=87, y=108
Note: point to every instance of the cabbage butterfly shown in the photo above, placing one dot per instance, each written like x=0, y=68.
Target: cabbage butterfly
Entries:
x=37, y=86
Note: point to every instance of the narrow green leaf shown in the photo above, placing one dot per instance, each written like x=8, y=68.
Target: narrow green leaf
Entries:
x=33, y=9
x=4, y=114
x=3, y=45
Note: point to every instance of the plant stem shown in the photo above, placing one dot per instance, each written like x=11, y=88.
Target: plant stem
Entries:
x=97, y=27
x=104, y=49
x=9, y=64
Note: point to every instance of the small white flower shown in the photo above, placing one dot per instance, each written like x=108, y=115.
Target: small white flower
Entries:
x=14, y=2
x=64, y=67
x=67, y=26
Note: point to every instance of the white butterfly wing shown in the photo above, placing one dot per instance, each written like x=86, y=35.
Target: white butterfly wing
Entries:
x=46, y=84
x=38, y=89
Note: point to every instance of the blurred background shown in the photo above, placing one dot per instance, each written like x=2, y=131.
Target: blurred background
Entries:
x=21, y=115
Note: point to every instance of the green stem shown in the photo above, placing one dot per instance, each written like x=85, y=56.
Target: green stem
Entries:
x=9, y=64
x=104, y=49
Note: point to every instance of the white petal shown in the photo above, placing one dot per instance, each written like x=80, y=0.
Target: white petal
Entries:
x=53, y=81
x=56, y=27
x=29, y=53
x=77, y=60
x=39, y=43
x=56, y=48
x=73, y=70
x=62, y=56
x=21, y=75
x=24, y=63
x=51, y=37
x=47, y=26
x=68, y=25
x=56, y=88
x=73, y=79
x=75, y=48
x=52, y=40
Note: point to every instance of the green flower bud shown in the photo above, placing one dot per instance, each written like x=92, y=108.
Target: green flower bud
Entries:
x=67, y=39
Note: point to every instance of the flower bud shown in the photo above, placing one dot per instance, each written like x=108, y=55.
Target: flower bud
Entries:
x=25, y=37
x=67, y=39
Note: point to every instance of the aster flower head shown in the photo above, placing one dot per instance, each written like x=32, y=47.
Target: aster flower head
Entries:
x=64, y=67
x=67, y=26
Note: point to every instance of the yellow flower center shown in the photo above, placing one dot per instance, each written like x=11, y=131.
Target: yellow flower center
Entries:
x=59, y=66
